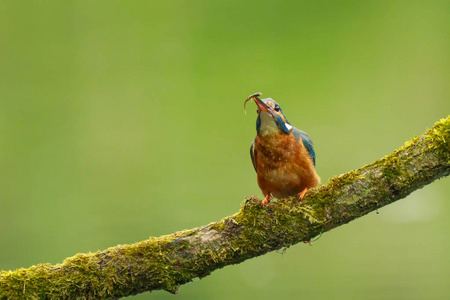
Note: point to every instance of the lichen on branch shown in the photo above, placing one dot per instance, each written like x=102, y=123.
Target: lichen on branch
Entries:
x=169, y=261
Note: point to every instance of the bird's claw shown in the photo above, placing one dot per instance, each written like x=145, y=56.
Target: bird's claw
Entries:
x=302, y=194
x=265, y=201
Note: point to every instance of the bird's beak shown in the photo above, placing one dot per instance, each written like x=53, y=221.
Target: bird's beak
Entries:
x=261, y=105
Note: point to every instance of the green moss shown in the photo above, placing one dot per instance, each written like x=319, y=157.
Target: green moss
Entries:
x=219, y=226
x=439, y=136
x=168, y=261
x=391, y=167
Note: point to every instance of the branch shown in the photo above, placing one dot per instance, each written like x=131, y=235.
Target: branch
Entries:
x=169, y=261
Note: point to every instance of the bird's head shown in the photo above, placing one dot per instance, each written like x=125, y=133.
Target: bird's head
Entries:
x=270, y=116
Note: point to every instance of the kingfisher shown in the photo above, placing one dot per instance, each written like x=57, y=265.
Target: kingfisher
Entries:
x=282, y=155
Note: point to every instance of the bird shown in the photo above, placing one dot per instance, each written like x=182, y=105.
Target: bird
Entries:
x=282, y=155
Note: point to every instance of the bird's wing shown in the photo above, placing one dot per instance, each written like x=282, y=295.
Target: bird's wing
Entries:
x=253, y=154
x=307, y=142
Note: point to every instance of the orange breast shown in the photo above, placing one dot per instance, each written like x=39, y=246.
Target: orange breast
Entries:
x=283, y=165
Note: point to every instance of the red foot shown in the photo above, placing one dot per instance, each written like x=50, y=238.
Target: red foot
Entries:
x=266, y=200
x=302, y=194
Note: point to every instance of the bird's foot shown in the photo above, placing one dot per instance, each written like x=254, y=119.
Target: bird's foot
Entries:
x=302, y=194
x=265, y=201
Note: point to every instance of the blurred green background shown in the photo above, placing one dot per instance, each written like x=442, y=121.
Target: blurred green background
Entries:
x=121, y=120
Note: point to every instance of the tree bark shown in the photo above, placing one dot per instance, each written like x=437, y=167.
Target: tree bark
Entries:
x=169, y=261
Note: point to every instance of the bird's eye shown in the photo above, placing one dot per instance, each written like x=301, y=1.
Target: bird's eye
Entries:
x=277, y=107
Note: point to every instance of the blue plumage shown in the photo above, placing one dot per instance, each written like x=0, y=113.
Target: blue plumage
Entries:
x=307, y=142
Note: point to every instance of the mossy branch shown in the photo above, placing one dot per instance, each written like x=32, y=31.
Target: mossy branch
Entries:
x=169, y=261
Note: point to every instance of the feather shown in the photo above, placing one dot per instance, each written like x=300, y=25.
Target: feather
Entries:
x=307, y=142
x=253, y=155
